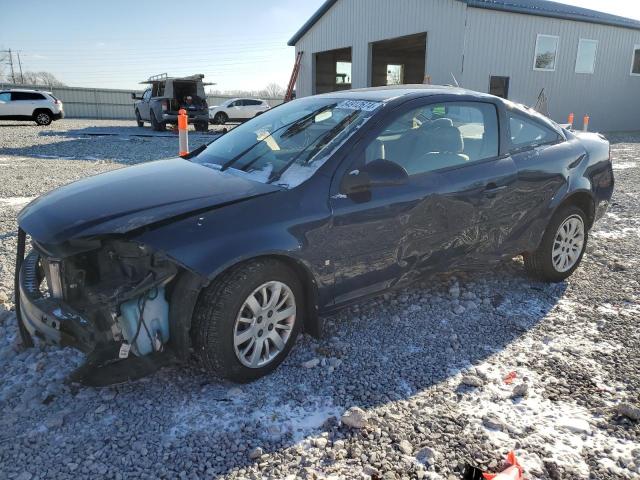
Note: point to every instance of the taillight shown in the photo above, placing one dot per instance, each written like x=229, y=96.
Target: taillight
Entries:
x=165, y=105
x=56, y=102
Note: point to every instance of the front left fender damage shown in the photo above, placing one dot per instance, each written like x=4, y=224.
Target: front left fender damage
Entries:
x=118, y=303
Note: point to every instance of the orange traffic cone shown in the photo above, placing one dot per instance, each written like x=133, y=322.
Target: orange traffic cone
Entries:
x=514, y=472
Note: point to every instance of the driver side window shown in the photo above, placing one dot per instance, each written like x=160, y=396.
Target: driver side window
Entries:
x=438, y=136
x=146, y=95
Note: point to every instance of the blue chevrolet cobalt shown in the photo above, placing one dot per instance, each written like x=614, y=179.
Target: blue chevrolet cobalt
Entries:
x=226, y=255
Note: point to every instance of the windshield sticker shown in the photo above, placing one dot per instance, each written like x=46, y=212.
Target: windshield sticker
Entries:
x=363, y=105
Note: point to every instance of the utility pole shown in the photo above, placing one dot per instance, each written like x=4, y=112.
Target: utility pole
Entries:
x=20, y=65
x=13, y=74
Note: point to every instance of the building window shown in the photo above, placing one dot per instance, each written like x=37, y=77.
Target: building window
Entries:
x=586, y=58
x=395, y=74
x=546, y=53
x=499, y=86
x=635, y=65
x=343, y=73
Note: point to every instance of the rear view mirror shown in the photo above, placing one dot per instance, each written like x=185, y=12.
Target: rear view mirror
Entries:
x=379, y=173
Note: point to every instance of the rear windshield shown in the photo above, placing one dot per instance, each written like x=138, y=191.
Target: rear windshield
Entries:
x=287, y=144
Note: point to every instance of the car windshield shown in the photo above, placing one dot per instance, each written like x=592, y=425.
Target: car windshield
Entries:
x=287, y=144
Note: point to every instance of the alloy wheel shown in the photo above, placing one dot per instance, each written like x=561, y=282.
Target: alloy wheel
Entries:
x=42, y=119
x=264, y=324
x=568, y=244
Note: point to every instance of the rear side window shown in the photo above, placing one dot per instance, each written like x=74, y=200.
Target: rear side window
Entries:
x=525, y=132
x=5, y=97
x=26, y=96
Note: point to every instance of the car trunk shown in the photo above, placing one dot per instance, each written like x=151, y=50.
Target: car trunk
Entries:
x=184, y=88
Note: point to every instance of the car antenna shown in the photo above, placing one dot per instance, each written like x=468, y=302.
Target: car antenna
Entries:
x=454, y=80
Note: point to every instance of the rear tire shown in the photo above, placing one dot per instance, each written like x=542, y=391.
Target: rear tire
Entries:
x=246, y=309
x=562, y=247
x=139, y=119
x=155, y=125
x=43, y=118
x=221, y=118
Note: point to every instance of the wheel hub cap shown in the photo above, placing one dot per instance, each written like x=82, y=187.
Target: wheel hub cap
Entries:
x=568, y=244
x=264, y=324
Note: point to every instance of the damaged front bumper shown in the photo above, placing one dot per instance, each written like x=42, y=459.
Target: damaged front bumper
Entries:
x=95, y=296
x=50, y=319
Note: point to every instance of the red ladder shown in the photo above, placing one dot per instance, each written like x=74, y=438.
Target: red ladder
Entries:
x=294, y=78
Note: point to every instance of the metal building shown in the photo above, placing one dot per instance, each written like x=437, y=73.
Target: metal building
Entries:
x=585, y=62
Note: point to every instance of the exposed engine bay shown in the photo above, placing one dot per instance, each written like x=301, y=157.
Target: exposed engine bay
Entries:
x=111, y=302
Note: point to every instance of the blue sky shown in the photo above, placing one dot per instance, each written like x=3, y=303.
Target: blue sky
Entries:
x=238, y=44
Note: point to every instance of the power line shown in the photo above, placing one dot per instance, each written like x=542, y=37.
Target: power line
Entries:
x=20, y=65
x=13, y=75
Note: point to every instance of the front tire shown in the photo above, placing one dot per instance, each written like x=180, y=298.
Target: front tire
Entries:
x=245, y=324
x=42, y=118
x=139, y=119
x=562, y=247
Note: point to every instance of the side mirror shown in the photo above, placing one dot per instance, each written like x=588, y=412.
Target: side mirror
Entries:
x=134, y=96
x=379, y=173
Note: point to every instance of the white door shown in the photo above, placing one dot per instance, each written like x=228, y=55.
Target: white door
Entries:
x=234, y=110
x=246, y=109
x=22, y=103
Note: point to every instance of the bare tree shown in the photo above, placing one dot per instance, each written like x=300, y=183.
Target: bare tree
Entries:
x=42, y=78
x=273, y=90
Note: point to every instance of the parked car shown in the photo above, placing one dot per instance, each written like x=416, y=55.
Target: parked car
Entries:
x=160, y=103
x=32, y=105
x=325, y=200
x=237, y=109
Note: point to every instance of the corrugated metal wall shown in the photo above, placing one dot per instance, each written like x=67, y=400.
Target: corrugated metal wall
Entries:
x=489, y=43
x=356, y=23
x=90, y=102
x=500, y=43
x=102, y=103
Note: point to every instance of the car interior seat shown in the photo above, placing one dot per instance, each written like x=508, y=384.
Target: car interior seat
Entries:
x=439, y=146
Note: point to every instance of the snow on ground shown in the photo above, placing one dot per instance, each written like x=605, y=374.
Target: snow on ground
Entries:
x=428, y=365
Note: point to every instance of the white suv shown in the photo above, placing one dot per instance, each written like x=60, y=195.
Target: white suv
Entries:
x=237, y=109
x=41, y=107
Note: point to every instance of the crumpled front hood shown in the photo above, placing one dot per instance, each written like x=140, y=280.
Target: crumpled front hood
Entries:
x=124, y=200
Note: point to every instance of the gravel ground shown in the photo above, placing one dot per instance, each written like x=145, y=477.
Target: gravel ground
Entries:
x=456, y=370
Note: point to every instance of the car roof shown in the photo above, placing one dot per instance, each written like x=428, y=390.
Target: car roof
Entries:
x=29, y=90
x=387, y=93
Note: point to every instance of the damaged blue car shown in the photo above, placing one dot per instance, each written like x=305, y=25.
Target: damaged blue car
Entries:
x=228, y=254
